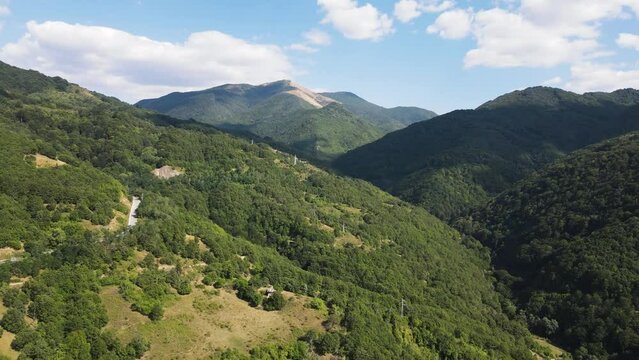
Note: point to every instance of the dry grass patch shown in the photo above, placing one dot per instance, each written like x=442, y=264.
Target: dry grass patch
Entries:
x=326, y=228
x=351, y=210
x=197, y=324
x=200, y=244
x=17, y=282
x=6, y=339
x=8, y=253
x=167, y=172
x=556, y=352
x=42, y=162
x=348, y=238
x=5, y=345
x=122, y=320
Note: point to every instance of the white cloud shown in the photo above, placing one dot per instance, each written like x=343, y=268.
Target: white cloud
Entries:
x=407, y=10
x=507, y=39
x=453, y=24
x=628, y=41
x=536, y=33
x=303, y=48
x=356, y=22
x=601, y=77
x=575, y=15
x=317, y=37
x=134, y=67
x=553, y=82
x=435, y=6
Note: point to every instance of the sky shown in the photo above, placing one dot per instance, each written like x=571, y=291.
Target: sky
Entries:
x=437, y=54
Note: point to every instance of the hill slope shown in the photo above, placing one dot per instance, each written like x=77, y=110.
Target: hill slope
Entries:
x=284, y=113
x=240, y=217
x=459, y=160
x=569, y=237
x=386, y=119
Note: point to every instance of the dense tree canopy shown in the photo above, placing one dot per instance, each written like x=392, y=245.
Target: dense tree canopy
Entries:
x=460, y=160
x=252, y=214
x=568, y=240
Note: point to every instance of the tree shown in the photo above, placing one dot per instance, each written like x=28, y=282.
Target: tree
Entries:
x=137, y=347
x=76, y=346
x=13, y=321
x=275, y=302
x=156, y=313
x=329, y=343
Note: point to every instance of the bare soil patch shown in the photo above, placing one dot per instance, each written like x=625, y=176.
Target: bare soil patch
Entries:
x=167, y=172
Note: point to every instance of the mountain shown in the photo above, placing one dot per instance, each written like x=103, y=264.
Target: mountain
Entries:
x=461, y=159
x=356, y=272
x=567, y=242
x=386, y=119
x=313, y=125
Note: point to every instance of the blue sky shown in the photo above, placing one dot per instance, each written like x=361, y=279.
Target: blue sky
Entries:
x=437, y=54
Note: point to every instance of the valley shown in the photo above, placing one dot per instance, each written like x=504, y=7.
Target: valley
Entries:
x=253, y=222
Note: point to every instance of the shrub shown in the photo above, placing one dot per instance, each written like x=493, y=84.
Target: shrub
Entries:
x=275, y=302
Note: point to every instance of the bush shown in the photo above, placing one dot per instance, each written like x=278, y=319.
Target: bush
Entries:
x=275, y=302
x=13, y=321
x=137, y=347
x=156, y=313
x=248, y=293
x=329, y=343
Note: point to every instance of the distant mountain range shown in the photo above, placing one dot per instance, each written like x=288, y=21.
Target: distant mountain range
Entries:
x=314, y=125
x=460, y=160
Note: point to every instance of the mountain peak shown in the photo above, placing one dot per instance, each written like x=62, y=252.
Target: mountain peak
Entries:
x=543, y=96
x=292, y=88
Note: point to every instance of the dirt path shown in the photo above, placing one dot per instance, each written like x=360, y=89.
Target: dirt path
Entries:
x=133, y=218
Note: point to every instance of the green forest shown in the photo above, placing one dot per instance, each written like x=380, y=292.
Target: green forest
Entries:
x=565, y=241
x=515, y=229
x=254, y=218
x=316, y=126
x=458, y=161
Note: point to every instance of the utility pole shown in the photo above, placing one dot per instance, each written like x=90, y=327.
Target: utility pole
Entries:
x=295, y=160
x=402, y=309
x=343, y=228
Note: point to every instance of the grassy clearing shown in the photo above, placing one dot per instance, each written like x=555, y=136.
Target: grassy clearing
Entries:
x=6, y=339
x=200, y=323
x=42, y=162
x=7, y=253
x=555, y=352
x=346, y=239
x=122, y=320
x=167, y=172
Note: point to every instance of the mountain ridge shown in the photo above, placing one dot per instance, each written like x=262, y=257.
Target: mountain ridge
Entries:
x=484, y=151
x=261, y=109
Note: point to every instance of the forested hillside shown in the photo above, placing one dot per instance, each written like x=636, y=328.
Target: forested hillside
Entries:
x=567, y=242
x=460, y=160
x=240, y=217
x=386, y=119
x=316, y=126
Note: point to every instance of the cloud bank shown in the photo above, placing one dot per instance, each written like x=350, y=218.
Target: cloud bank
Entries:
x=133, y=67
x=544, y=34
